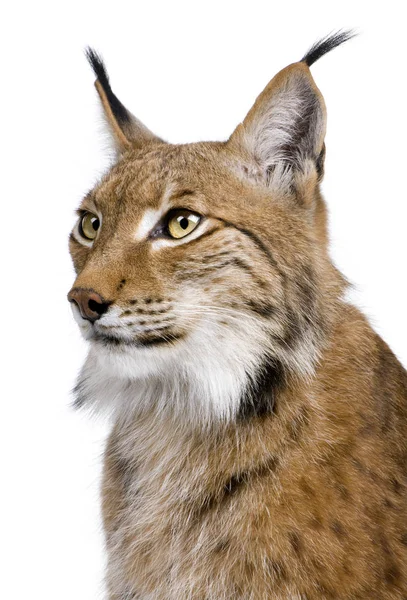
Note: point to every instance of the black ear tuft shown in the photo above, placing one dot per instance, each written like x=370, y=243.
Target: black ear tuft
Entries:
x=327, y=44
x=118, y=109
x=98, y=66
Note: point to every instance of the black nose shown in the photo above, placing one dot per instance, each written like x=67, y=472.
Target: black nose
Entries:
x=91, y=304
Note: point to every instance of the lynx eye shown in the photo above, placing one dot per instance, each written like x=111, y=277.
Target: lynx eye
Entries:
x=182, y=222
x=89, y=225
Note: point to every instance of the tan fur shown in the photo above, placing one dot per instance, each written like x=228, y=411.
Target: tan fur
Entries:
x=305, y=501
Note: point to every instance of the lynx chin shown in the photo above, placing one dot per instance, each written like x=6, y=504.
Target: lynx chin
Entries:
x=258, y=448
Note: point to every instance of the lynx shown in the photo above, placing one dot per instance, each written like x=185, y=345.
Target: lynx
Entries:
x=258, y=446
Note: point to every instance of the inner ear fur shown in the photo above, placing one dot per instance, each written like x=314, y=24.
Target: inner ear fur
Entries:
x=284, y=131
x=127, y=131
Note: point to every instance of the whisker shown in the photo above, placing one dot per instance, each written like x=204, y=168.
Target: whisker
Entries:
x=221, y=311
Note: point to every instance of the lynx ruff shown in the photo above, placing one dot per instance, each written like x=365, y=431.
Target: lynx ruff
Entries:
x=258, y=447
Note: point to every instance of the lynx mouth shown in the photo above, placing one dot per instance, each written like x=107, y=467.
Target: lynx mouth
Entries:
x=113, y=333
x=155, y=338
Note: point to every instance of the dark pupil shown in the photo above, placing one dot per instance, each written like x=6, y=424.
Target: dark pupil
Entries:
x=183, y=222
x=95, y=223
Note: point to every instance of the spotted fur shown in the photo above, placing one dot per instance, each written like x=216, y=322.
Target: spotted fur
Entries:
x=258, y=446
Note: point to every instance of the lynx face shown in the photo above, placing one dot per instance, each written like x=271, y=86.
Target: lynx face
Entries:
x=201, y=268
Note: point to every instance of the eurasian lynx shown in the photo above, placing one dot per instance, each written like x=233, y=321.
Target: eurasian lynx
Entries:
x=259, y=448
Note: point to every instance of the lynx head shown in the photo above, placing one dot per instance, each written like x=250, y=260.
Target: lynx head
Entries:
x=203, y=279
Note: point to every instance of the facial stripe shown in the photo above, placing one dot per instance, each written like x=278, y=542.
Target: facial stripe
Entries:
x=182, y=194
x=232, y=261
x=260, y=245
x=204, y=235
x=165, y=336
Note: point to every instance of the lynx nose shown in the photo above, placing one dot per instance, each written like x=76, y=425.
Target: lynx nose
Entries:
x=91, y=305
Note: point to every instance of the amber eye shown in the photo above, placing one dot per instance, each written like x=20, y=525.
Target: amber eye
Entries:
x=89, y=225
x=181, y=222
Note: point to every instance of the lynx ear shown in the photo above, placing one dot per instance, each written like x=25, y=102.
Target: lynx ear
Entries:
x=127, y=131
x=284, y=130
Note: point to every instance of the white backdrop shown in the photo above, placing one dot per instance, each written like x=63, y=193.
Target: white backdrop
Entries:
x=190, y=71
